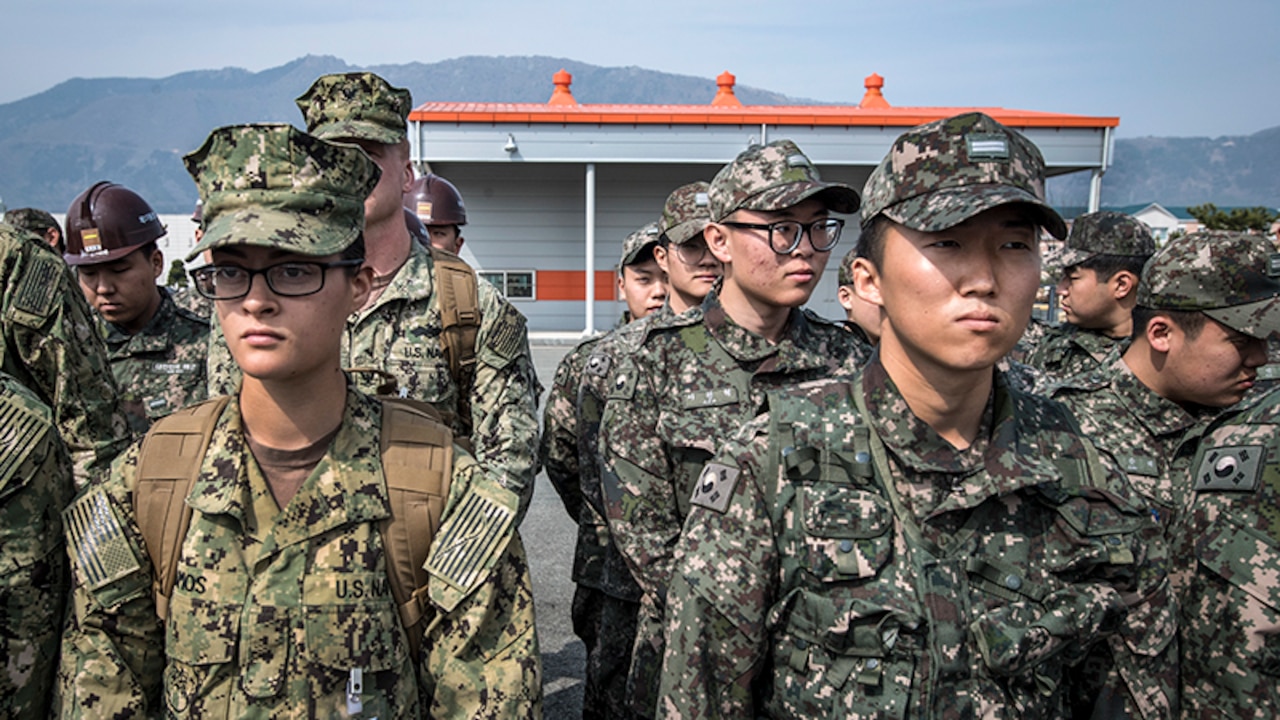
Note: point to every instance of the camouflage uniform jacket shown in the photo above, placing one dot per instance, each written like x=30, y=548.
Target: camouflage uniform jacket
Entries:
x=1227, y=555
x=1152, y=439
x=51, y=345
x=400, y=335
x=35, y=484
x=275, y=611
x=1067, y=350
x=161, y=368
x=843, y=560
x=674, y=394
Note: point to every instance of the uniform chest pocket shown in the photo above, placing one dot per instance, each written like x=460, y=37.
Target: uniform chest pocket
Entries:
x=357, y=627
x=847, y=531
x=202, y=642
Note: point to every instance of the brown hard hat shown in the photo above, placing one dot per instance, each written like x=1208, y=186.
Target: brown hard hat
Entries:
x=107, y=222
x=436, y=201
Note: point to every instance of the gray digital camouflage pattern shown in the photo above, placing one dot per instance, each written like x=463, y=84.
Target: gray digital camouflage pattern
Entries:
x=35, y=484
x=1067, y=350
x=1105, y=233
x=692, y=383
x=774, y=177
x=50, y=344
x=843, y=560
x=161, y=368
x=686, y=212
x=644, y=237
x=1227, y=556
x=274, y=611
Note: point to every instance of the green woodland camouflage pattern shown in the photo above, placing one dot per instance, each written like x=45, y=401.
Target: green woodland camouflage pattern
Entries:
x=1233, y=278
x=275, y=610
x=161, y=368
x=774, y=177
x=272, y=185
x=824, y=575
x=33, y=220
x=1067, y=350
x=50, y=344
x=692, y=383
x=398, y=339
x=636, y=242
x=356, y=106
x=686, y=213
x=942, y=173
x=35, y=484
x=1105, y=233
x=1227, y=556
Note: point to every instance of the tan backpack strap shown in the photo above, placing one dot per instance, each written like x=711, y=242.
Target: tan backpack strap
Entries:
x=459, y=295
x=417, y=462
x=168, y=464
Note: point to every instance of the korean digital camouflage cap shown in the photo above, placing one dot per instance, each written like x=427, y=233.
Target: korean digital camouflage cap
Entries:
x=1105, y=233
x=845, y=275
x=939, y=174
x=774, y=177
x=32, y=219
x=686, y=213
x=272, y=185
x=636, y=242
x=1233, y=278
x=356, y=106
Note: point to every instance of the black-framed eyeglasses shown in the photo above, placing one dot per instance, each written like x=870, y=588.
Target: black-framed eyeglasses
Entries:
x=286, y=279
x=785, y=235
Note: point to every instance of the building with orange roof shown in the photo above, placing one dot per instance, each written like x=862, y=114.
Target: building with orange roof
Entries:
x=552, y=189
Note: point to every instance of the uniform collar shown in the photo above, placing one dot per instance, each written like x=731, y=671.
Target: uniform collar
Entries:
x=412, y=281
x=153, y=336
x=1159, y=416
x=799, y=347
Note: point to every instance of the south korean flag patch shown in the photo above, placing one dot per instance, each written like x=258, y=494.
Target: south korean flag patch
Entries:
x=715, y=487
x=1230, y=469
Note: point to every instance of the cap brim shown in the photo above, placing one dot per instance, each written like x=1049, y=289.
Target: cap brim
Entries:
x=1072, y=256
x=357, y=130
x=635, y=253
x=941, y=209
x=837, y=197
x=685, y=231
x=1259, y=319
x=300, y=233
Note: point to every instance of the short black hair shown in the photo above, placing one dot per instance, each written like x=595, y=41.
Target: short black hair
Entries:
x=871, y=240
x=1190, y=322
x=354, y=251
x=1106, y=266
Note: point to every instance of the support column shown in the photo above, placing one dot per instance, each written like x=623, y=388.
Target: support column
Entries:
x=591, y=250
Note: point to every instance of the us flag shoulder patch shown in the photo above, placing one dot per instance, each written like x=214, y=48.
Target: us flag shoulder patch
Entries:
x=97, y=542
x=468, y=541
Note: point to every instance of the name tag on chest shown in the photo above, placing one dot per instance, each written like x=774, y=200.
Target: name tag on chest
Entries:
x=709, y=398
x=176, y=368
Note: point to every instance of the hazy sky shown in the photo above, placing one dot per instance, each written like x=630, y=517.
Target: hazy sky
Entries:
x=1178, y=67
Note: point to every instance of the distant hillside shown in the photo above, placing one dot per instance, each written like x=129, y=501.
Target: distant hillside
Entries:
x=135, y=131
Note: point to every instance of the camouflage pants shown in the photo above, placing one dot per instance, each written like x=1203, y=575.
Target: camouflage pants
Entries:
x=607, y=626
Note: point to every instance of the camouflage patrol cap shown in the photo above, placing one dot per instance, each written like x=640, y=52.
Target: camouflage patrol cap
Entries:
x=1232, y=277
x=636, y=242
x=686, y=213
x=356, y=106
x=939, y=174
x=272, y=185
x=845, y=274
x=32, y=219
x=774, y=177
x=1105, y=233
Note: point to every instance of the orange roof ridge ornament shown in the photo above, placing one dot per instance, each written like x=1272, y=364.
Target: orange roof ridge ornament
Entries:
x=724, y=91
x=562, y=95
x=874, y=99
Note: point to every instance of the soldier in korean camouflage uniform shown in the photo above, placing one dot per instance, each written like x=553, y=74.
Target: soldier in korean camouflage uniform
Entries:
x=1191, y=357
x=923, y=540
x=606, y=598
x=50, y=344
x=681, y=385
x=861, y=317
x=396, y=336
x=280, y=606
x=1100, y=267
x=157, y=349
x=35, y=484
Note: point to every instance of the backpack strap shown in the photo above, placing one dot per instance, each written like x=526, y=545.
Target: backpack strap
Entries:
x=458, y=293
x=168, y=464
x=417, y=462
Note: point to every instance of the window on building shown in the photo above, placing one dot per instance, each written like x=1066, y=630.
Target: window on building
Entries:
x=515, y=284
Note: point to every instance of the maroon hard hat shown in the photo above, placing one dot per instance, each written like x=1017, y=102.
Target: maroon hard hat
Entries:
x=436, y=201
x=107, y=222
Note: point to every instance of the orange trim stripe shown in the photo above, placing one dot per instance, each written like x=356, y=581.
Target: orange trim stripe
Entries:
x=572, y=285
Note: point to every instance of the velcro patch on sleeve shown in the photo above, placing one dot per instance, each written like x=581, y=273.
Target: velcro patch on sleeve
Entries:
x=1230, y=469
x=469, y=540
x=97, y=542
x=715, y=486
x=598, y=364
x=38, y=290
x=506, y=336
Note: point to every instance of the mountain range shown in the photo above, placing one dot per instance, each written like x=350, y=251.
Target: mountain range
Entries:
x=135, y=131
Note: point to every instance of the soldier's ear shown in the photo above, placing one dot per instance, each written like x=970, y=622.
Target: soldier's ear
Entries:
x=1159, y=333
x=361, y=286
x=866, y=281
x=718, y=242
x=1123, y=284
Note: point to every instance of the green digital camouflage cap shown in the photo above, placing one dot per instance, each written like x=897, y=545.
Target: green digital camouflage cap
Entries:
x=32, y=220
x=636, y=242
x=356, y=106
x=845, y=274
x=272, y=185
x=939, y=174
x=686, y=213
x=1233, y=278
x=774, y=177
x=1105, y=233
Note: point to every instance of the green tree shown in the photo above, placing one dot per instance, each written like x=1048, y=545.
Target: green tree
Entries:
x=1254, y=219
x=177, y=279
